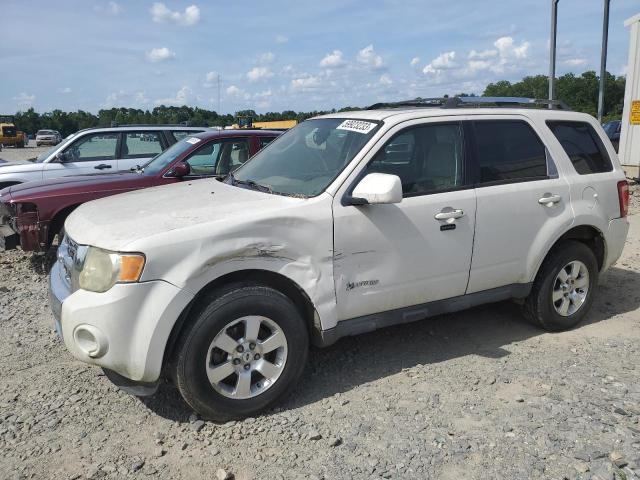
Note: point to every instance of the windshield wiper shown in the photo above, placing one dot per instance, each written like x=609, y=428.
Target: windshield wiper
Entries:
x=250, y=183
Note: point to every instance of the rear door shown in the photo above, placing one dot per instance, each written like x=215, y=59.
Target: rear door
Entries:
x=137, y=148
x=88, y=154
x=521, y=201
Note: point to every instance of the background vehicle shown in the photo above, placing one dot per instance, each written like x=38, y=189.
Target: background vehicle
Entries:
x=347, y=223
x=97, y=150
x=48, y=137
x=613, y=129
x=36, y=211
x=10, y=135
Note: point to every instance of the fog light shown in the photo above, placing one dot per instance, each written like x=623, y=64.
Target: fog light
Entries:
x=91, y=341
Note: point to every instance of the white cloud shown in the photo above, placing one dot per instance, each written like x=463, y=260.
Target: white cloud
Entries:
x=210, y=79
x=415, y=61
x=575, y=62
x=122, y=98
x=24, y=99
x=181, y=98
x=111, y=8
x=332, y=60
x=507, y=48
x=65, y=90
x=483, y=54
x=385, y=80
x=281, y=39
x=234, y=91
x=160, y=54
x=369, y=58
x=161, y=14
x=266, y=58
x=444, y=61
x=259, y=73
x=306, y=83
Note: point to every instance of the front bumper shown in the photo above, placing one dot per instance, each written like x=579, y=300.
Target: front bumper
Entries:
x=124, y=330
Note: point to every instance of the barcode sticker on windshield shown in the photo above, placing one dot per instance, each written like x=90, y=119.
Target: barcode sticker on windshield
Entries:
x=359, y=126
x=193, y=140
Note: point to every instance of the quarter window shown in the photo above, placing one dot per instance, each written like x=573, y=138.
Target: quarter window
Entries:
x=427, y=158
x=97, y=147
x=583, y=146
x=141, y=145
x=509, y=151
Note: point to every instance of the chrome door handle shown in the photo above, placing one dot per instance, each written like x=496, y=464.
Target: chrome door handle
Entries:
x=447, y=214
x=549, y=200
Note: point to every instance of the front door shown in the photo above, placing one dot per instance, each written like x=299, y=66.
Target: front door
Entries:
x=89, y=154
x=417, y=251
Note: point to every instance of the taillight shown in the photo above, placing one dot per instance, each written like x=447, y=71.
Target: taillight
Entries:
x=623, y=197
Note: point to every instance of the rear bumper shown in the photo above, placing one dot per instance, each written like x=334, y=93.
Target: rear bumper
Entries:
x=615, y=238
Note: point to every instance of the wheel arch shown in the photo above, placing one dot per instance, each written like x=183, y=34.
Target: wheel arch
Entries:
x=587, y=234
x=277, y=281
x=57, y=221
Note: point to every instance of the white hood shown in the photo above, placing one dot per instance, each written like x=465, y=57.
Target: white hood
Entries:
x=114, y=222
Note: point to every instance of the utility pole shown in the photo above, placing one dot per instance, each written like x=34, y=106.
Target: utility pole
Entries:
x=552, y=51
x=603, y=59
x=219, y=107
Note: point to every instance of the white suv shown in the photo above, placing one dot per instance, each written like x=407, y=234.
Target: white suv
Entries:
x=96, y=150
x=347, y=223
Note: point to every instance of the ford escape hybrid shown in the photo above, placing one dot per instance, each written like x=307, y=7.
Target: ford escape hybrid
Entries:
x=346, y=223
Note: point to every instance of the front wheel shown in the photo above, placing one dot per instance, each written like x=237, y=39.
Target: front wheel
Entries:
x=244, y=349
x=564, y=288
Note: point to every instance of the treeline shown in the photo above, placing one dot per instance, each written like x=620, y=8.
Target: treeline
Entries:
x=579, y=92
x=66, y=123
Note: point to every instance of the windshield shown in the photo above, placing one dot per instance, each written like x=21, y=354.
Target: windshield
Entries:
x=306, y=159
x=161, y=161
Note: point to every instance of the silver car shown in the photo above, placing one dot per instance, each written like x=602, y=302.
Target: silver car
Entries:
x=97, y=150
x=48, y=137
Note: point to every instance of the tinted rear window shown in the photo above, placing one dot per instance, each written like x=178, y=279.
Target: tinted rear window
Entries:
x=509, y=150
x=583, y=146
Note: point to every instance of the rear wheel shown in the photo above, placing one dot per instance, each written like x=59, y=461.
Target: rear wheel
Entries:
x=564, y=288
x=245, y=348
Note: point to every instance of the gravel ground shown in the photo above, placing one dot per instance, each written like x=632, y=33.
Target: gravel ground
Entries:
x=475, y=395
x=21, y=155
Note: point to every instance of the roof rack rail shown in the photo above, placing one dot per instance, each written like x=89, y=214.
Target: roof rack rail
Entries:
x=116, y=124
x=478, y=102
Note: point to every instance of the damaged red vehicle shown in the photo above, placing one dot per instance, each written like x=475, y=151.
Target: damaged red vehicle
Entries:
x=33, y=213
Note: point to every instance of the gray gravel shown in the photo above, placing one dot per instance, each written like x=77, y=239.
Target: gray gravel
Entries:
x=21, y=155
x=475, y=395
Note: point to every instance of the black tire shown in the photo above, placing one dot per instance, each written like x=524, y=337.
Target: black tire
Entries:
x=208, y=319
x=538, y=307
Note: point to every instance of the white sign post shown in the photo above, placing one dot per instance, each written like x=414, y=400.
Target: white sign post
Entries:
x=629, y=150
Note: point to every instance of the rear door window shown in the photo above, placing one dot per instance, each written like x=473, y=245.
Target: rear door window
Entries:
x=509, y=151
x=582, y=145
x=180, y=134
x=141, y=145
x=94, y=147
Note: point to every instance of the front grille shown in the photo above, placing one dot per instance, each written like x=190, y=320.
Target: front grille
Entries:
x=71, y=256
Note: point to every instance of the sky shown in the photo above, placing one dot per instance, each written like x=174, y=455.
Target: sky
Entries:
x=286, y=55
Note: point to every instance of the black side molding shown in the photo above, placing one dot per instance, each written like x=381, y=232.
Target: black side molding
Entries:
x=369, y=323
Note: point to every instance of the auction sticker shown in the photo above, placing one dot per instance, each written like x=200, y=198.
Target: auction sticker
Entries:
x=359, y=126
x=193, y=140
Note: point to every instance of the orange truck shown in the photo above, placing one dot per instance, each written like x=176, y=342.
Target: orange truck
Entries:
x=10, y=135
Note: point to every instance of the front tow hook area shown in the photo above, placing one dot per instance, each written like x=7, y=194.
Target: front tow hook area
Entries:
x=9, y=239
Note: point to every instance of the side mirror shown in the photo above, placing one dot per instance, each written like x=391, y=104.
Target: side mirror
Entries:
x=377, y=188
x=182, y=169
x=63, y=157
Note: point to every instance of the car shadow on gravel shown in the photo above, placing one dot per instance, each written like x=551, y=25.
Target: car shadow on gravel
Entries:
x=484, y=331
x=41, y=263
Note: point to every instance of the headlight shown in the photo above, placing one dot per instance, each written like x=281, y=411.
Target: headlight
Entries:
x=103, y=269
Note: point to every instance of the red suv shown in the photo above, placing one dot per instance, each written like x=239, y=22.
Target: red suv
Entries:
x=31, y=214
